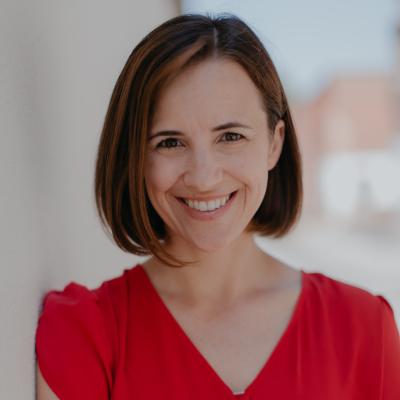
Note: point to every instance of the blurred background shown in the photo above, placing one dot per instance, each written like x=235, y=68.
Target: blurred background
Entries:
x=340, y=66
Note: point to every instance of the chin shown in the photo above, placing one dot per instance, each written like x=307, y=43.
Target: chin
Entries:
x=211, y=245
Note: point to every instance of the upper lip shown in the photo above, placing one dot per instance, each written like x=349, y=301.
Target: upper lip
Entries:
x=208, y=198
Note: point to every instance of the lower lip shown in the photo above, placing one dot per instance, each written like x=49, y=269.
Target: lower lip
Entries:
x=208, y=215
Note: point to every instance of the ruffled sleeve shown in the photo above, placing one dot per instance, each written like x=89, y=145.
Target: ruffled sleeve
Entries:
x=390, y=366
x=72, y=345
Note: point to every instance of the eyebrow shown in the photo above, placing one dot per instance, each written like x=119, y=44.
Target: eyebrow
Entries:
x=227, y=125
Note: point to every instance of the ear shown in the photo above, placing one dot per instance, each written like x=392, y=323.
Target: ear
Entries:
x=276, y=144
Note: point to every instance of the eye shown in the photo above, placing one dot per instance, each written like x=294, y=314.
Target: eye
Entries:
x=236, y=136
x=171, y=143
x=167, y=144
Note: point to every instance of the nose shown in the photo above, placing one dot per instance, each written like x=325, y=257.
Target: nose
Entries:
x=203, y=171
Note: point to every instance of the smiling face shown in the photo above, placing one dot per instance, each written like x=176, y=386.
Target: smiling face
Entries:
x=209, y=138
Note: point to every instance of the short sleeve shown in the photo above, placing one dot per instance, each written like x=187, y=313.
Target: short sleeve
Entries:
x=72, y=346
x=390, y=366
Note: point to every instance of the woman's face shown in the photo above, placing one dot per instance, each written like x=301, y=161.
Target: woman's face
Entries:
x=193, y=153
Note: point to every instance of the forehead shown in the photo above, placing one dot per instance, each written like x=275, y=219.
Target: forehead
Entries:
x=209, y=91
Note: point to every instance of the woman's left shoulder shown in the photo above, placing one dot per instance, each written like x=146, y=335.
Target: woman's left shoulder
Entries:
x=356, y=329
x=346, y=299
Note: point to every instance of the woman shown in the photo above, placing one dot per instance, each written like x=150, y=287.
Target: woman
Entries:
x=197, y=154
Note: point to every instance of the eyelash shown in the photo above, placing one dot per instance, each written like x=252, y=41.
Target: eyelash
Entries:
x=172, y=147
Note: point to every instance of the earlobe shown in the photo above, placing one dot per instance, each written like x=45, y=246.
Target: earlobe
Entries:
x=276, y=144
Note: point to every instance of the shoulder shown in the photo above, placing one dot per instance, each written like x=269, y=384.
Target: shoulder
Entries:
x=81, y=307
x=77, y=296
x=361, y=329
x=72, y=343
x=349, y=307
x=351, y=316
x=77, y=331
x=343, y=294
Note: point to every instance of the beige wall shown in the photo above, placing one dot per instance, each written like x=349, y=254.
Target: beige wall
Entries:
x=59, y=62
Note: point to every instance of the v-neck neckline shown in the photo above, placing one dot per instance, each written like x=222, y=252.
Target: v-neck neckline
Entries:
x=267, y=364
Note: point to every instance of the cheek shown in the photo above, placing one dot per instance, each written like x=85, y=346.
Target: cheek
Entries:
x=159, y=176
x=252, y=164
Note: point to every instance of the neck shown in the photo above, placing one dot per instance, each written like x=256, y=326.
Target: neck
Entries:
x=218, y=277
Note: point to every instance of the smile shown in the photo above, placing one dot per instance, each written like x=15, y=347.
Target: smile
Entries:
x=208, y=205
x=202, y=210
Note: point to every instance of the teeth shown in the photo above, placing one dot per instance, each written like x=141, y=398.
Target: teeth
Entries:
x=207, y=206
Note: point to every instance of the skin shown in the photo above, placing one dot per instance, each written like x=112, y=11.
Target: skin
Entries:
x=43, y=391
x=233, y=283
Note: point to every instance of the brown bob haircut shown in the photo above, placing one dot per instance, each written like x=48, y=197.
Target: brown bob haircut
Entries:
x=120, y=193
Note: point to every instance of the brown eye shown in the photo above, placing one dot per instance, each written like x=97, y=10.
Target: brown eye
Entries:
x=167, y=143
x=234, y=137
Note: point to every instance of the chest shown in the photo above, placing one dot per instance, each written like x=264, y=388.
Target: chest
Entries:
x=237, y=343
x=287, y=347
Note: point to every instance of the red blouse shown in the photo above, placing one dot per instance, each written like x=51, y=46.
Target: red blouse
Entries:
x=120, y=341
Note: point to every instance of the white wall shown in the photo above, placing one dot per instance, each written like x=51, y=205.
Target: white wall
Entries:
x=58, y=64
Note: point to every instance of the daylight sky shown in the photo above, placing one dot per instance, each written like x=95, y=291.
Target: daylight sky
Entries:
x=313, y=40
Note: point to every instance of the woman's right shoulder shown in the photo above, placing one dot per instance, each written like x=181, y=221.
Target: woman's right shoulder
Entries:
x=76, y=339
x=113, y=293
